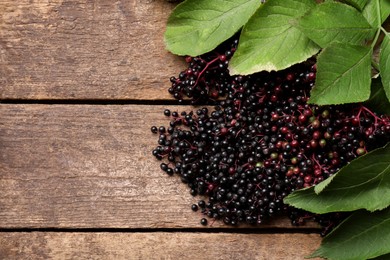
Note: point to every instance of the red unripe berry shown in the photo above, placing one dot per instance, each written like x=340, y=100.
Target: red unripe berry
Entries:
x=290, y=77
x=222, y=58
x=223, y=131
x=311, y=76
x=308, y=179
x=307, y=112
x=317, y=172
x=294, y=143
x=355, y=121
x=302, y=118
x=188, y=59
x=335, y=162
x=214, y=94
x=267, y=164
x=274, y=117
x=284, y=130
x=316, y=135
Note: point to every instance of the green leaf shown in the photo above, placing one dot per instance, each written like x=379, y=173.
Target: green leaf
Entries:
x=359, y=4
x=384, y=9
x=269, y=41
x=198, y=26
x=378, y=101
x=362, y=184
x=384, y=64
x=370, y=12
x=343, y=75
x=335, y=22
x=363, y=235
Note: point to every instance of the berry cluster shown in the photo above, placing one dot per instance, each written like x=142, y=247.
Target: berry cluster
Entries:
x=206, y=77
x=263, y=142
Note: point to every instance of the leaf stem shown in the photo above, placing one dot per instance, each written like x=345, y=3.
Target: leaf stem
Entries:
x=375, y=65
x=384, y=31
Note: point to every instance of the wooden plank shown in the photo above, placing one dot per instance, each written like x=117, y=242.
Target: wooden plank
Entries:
x=156, y=246
x=80, y=166
x=81, y=49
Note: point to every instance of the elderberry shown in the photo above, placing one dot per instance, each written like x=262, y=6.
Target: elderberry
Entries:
x=262, y=141
x=206, y=78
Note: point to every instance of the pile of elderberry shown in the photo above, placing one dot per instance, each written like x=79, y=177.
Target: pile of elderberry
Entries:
x=206, y=77
x=261, y=141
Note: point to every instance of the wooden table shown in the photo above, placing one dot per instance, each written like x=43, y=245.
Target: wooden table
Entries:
x=81, y=82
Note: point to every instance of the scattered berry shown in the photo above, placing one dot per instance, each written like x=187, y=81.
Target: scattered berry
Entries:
x=262, y=141
x=194, y=207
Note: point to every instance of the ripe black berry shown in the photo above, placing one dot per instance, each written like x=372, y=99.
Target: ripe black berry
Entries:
x=262, y=141
x=154, y=129
x=194, y=207
x=167, y=112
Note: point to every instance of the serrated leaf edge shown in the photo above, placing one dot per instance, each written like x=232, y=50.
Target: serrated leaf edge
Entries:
x=318, y=252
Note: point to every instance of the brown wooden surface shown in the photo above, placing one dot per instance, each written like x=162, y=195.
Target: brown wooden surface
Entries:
x=79, y=181
x=156, y=246
x=81, y=166
x=83, y=49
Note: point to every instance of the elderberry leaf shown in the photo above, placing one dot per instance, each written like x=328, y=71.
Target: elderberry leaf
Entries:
x=384, y=64
x=269, y=41
x=384, y=8
x=363, y=235
x=378, y=101
x=359, y=4
x=335, y=22
x=370, y=12
x=343, y=75
x=198, y=26
x=362, y=184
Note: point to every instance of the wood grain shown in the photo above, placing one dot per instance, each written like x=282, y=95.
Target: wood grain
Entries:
x=81, y=49
x=89, y=167
x=156, y=246
x=83, y=166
